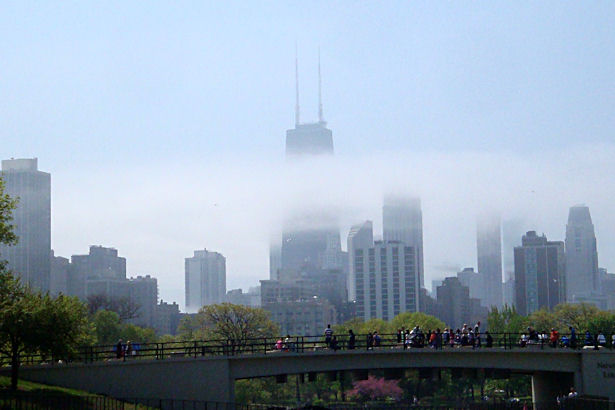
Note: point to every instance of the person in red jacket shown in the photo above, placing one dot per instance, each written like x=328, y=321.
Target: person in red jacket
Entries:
x=554, y=337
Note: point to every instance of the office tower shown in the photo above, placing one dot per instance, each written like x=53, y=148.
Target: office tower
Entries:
x=608, y=287
x=310, y=239
x=144, y=295
x=386, y=276
x=30, y=257
x=455, y=307
x=508, y=292
x=59, y=275
x=205, y=280
x=360, y=237
x=275, y=261
x=473, y=281
x=582, y=278
x=539, y=273
x=402, y=220
x=489, y=252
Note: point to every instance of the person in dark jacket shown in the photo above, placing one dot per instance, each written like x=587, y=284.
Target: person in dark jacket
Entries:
x=488, y=339
x=351, y=340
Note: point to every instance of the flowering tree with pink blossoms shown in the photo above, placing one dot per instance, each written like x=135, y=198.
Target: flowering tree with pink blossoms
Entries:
x=375, y=389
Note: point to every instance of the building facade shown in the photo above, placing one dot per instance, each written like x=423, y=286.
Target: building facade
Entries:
x=302, y=317
x=402, y=220
x=144, y=295
x=474, y=281
x=167, y=318
x=455, y=307
x=582, y=276
x=59, y=275
x=30, y=257
x=385, y=274
x=539, y=273
x=205, y=280
x=489, y=253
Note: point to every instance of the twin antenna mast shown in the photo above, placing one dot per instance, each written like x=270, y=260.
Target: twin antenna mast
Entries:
x=321, y=118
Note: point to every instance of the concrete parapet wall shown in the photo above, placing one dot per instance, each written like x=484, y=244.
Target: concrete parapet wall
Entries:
x=212, y=378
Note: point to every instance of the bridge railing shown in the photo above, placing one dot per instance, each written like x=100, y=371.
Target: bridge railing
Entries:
x=302, y=344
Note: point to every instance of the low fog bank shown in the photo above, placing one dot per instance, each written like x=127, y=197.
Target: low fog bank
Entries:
x=158, y=214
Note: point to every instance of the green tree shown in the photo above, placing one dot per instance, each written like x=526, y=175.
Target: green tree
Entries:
x=235, y=322
x=139, y=334
x=603, y=322
x=36, y=323
x=7, y=205
x=575, y=315
x=506, y=320
x=542, y=320
x=409, y=320
x=108, y=327
x=189, y=329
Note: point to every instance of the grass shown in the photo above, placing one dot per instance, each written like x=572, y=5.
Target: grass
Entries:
x=41, y=396
x=31, y=387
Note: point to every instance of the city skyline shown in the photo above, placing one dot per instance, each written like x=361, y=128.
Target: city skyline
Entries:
x=162, y=144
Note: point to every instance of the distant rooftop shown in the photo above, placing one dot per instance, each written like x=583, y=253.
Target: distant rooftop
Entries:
x=20, y=164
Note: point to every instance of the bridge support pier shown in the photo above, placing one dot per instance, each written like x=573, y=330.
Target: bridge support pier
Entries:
x=547, y=385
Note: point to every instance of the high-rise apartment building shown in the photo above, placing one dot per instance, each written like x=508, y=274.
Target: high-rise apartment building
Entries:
x=582, y=277
x=100, y=263
x=489, y=252
x=144, y=294
x=205, y=280
x=402, y=220
x=59, y=275
x=100, y=272
x=539, y=273
x=385, y=275
x=30, y=257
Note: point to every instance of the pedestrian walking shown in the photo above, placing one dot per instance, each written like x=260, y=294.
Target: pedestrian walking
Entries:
x=328, y=335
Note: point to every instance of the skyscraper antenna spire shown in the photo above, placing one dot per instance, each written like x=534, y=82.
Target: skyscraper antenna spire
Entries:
x=296, y=86
x=320, y=114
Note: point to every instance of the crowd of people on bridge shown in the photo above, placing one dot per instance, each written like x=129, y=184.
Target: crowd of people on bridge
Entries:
x=571, y=340
x=466, y=336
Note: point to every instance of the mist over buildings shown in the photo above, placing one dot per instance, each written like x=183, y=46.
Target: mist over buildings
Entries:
x=164, y=129
x=237, y=207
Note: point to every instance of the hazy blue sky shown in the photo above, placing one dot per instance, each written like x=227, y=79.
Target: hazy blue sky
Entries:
x=147, y=113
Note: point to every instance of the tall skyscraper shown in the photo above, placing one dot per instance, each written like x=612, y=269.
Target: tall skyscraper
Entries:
x=489, y=252
x=30, y=258
x=402, y=220
x=205, y=280
x=582, y=278
x=539, y=273
x=310, y=239
x=360, y=237
x=386, y=276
